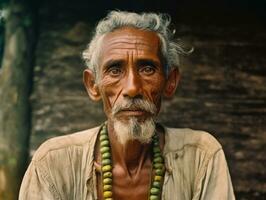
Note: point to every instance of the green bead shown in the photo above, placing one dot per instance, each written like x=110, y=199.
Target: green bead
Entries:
x=107, y=181
x=155, y=142
x=107, y=175
x=156, y=149
x=157, y=155
x=105, y=143
x=156, y=184
x=158, y=159
x=105, y=149
x=106, y=155
x=155, y=137
x=106, y=161
x=106, y=168
x=103, y=137
x=155, y=191
x=154, y=197
x=158, y=165
x=103, y=131
x=159, y=172
x=107, y=187
x=107, y=194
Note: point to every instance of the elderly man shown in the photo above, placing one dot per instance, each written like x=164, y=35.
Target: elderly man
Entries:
x=132, y=64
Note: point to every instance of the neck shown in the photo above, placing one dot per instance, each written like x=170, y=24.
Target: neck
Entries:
x=130, y=156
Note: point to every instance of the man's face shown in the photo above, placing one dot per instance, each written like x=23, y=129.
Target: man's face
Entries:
x=131, y=82
x=131, y=67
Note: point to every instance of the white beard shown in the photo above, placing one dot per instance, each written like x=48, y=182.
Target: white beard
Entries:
x=134, y=130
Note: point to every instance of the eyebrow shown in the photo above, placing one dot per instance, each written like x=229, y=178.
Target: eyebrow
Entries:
x=140, y=61
x=148, y=61
x=112, y=62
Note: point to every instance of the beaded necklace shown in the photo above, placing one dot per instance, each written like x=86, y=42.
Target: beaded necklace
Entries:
x=158, y=167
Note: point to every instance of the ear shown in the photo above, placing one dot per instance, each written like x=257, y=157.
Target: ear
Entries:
x=90, y=85
x=172, y=83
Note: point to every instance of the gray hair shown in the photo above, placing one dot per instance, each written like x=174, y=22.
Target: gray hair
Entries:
x=158, y=23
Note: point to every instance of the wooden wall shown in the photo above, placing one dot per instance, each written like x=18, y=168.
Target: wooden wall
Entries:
x=222, y=90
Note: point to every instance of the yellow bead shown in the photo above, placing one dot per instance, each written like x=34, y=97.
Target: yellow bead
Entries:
x=107, y=181
x=106, y=168
x=158, y=178
x=107, y=175
x=107, y=194
x=107, y=187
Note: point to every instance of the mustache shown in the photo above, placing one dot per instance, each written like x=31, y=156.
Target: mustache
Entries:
x=134, y=104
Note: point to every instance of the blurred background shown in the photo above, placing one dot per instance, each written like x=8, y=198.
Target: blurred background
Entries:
x=222, y=90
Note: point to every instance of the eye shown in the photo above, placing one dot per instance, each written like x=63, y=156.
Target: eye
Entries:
x=114, y=71
x=147, y=70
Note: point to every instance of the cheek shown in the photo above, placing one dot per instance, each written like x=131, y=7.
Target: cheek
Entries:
x=154, y=90
x=110, y=91
x=156, y=97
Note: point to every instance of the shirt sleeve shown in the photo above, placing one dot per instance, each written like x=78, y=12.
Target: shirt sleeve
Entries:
x=37, y=185
x=216, y=182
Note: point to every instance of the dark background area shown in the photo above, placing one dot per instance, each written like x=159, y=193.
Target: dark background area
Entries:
x=223, y=85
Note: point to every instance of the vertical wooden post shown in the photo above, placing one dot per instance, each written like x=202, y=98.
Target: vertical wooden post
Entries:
x=15, y=86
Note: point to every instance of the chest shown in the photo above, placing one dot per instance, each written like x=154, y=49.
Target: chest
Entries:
x=126, y=185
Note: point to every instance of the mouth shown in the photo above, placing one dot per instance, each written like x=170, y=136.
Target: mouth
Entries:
x=132, y=112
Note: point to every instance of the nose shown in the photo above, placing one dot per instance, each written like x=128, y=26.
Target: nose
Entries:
x=132, y=85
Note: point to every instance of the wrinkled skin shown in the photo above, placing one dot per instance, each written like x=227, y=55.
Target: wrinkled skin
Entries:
x=131, y=66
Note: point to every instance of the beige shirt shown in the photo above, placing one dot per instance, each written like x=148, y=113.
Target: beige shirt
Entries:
x=62, y=168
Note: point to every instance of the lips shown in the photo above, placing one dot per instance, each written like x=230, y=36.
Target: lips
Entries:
x=132, y=112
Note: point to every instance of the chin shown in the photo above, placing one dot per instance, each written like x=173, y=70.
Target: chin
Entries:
x=134, y=129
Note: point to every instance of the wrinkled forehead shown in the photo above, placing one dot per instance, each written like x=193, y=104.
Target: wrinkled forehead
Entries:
x=128, y=38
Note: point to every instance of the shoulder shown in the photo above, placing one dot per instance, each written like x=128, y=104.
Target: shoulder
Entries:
x=62, y=143
x=181, y=138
